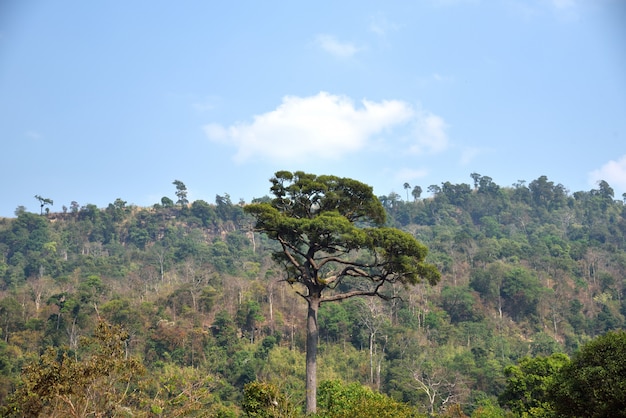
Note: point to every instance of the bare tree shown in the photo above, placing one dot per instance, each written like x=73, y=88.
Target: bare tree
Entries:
x=373, y=317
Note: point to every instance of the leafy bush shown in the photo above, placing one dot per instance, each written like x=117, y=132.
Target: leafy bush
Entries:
x=264, y=400
x=338, y=400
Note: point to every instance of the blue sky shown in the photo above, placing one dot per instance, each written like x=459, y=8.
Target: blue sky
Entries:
x=117, y=99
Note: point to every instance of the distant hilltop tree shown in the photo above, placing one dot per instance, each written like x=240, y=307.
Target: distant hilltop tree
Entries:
x=43, y=201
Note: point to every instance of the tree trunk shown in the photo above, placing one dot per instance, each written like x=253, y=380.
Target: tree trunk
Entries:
x=312, y=334
x=372, y=335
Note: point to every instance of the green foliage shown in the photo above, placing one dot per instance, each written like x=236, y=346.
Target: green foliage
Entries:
x=316, y=216
x=593, y=384
x=525, y=270
x=9, y=358
x=224, y=331
x=99, y=382
x=459, y=303
x=488, y=409
x=43, y=201
x=181, y=192
x=185, y=391
x=285, y=368
x=264, y=400
x=514, y=289
x=521, y=290
x=266, y=346
x=204, y=212
x=331, y=235
x=248, y=316
x=334, y=322
x=402, y=256
x=528, y=385
x=339, y=400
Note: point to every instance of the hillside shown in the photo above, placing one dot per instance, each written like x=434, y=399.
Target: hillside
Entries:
x=530, y=269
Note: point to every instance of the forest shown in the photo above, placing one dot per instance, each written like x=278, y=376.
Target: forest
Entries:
x=180, y=309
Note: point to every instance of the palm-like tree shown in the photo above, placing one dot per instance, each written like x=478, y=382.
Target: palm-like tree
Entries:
x=407, y=186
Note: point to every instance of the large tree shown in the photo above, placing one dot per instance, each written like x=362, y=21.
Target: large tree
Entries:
x=334, y=246
x=528, y=385
x=593, y=384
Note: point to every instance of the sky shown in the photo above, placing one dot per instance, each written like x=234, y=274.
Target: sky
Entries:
x=102, y=100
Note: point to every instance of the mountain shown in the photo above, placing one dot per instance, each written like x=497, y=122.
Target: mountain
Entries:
x=527, y=270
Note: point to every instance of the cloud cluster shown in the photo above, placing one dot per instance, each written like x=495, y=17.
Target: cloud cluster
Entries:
x=613, y=172
x=328, y=127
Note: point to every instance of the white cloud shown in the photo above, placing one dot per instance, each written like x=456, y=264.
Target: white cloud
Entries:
x=335, y=47
x=613, y=172
x=323, y=126
x=429, y=135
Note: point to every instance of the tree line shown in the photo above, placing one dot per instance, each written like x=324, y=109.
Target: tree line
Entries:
x=526, y=272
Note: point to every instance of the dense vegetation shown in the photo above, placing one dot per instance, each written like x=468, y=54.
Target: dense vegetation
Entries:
x=530, y=274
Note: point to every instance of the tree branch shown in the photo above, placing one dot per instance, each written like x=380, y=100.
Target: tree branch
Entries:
x=347, y=295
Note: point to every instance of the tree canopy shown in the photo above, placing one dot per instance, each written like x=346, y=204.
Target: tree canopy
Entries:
x=593, y=384
x=529, y=382
x=322, y=222
x=331, y=232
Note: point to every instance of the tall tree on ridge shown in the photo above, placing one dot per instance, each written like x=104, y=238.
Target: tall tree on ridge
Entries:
x=417, y=192
x=181, y=192
x=43, y=202
x=333, y=247
x=407, y=186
